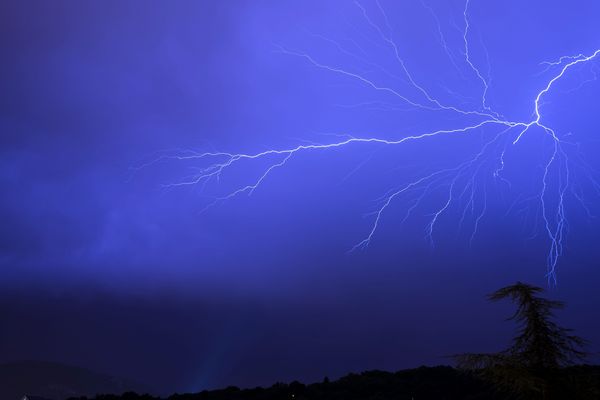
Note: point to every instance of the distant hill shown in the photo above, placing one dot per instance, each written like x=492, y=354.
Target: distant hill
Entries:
x=425, y=383
x=56, y=381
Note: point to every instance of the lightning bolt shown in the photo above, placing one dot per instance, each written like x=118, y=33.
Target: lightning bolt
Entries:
x=459, y=182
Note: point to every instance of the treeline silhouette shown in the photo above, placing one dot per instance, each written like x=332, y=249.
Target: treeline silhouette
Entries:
x=425, y=383
x=542, y=363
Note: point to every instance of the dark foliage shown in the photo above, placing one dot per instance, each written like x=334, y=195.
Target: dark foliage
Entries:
x=534, y=366
x=421, y=383
x=425, y=383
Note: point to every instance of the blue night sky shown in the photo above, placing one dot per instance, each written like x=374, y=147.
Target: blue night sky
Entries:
x=108, y=265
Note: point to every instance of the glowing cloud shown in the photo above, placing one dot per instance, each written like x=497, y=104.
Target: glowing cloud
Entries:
x=458, y=181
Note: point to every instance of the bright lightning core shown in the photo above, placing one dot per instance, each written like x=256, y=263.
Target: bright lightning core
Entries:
x=463, y=184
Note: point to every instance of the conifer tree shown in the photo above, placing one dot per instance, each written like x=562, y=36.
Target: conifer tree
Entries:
x=538, y=350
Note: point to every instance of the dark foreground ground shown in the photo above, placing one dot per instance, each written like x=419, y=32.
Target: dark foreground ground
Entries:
x=425, y=383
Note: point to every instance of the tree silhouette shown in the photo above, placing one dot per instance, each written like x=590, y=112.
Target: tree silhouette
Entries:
x=540, y=348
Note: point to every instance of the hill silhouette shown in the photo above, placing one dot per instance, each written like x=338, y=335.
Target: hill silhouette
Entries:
x=56, y=381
